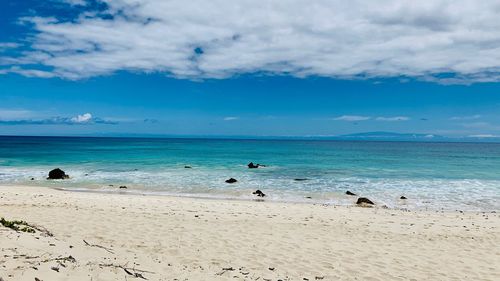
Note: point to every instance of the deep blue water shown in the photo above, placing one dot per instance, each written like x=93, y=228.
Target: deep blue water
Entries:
x=462, y=176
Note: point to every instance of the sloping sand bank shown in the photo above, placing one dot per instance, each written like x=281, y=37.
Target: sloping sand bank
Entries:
x=127, y=237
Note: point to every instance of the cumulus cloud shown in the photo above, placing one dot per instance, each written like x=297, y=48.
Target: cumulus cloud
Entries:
x=393, y=119
x=352, y=118
x=435, y=40
x=84, y=119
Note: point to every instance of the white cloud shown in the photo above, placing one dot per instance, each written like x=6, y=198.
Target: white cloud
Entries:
x=75, y=2
x=393, y=119
x=8, y=45
x=20, y=117
x=231, y=118
x=334, y=38
x=84, y=118
x=12, y=114
x=483, y=136
x=471, y=117
x=28, y=72
x=352, y=118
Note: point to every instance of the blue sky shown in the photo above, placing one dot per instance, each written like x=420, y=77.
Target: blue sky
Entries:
x=117, y=67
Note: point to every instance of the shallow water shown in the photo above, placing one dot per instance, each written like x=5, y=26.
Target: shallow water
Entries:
x=463, y=176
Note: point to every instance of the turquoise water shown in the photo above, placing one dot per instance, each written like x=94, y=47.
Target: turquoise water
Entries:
x=463, y=176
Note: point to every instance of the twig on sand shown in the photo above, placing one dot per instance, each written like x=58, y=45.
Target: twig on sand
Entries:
x=98, y=246
x=224, y=270
x=59, y=259
x=137, y=273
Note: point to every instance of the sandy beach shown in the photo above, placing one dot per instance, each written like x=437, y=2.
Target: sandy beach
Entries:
x=92, y=236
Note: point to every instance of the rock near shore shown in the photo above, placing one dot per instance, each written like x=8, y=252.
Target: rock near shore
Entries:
x=57, y=174
x=365, y=201
x=231, y=180
x=259, y=193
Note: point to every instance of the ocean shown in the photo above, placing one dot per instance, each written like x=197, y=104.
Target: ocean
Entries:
x=434, y=176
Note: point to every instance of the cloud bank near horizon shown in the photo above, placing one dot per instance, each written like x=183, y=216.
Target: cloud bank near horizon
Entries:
x=440, y=40
x=21, y=117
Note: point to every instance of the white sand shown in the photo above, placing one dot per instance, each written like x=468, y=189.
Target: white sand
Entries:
x=167, y=238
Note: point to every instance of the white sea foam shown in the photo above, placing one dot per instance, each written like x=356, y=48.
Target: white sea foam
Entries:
x=448, y=194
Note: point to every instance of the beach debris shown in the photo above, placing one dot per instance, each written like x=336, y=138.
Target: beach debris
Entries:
x=251, y=165
x=98, y=246
x=231, y=180
x=403, y=198
x=363, y=200
x=224, y=270
x=137, y=273
x=61, y=260
x=57, y=174
x=300, y=179
x=123, y=187
x=350, y=193
x=271, y=268
x=55, y=268
x=259, y=193
x=17, y=225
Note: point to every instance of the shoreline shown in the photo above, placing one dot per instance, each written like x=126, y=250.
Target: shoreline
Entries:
x=216, y=197
x=165, y=237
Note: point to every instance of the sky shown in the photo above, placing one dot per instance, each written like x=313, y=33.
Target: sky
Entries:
x=249, y=68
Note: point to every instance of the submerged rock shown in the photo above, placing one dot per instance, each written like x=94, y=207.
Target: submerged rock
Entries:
x=402, y=198
x=231, y=180
x=300, y=179
x=251, y=165
x=57, y=174
x=350, y=193
x=259, y=193
x=363, y=200
x=187, y=167
x=123, y=187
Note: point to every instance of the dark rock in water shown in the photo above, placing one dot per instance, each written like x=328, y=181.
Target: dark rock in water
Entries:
x=86, y=174
x=363, y=200
x=231, y=180
x=251, y=165
x=187, y=167
x=402, y=198
x=308, y=197
x=57, y=174
x=300, y=179
x=350, y=193
x=123, y=187
x=32, y=179
x=259, y=193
